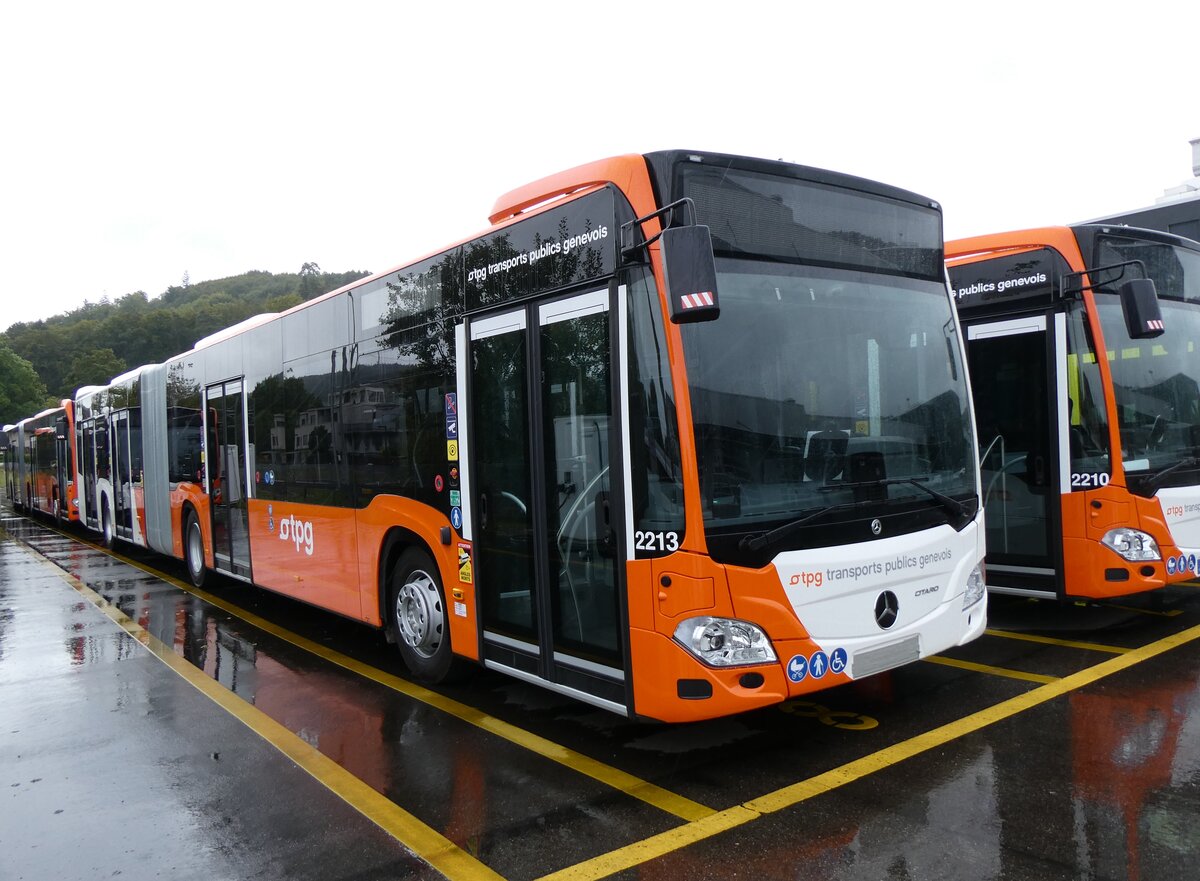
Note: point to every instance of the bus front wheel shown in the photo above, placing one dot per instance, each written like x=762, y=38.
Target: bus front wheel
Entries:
x=418, y=613
x=193, y=550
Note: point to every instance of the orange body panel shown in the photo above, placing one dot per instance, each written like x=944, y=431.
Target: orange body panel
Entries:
x=309, y=552
x=691, y=585
x=183, y=496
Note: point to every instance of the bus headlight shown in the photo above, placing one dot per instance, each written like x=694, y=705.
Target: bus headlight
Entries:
x=1132, y=544
x=725, y=642
x=975, y=587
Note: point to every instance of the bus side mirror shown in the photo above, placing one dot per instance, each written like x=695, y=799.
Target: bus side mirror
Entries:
x=1139, y=303
x=691, y=273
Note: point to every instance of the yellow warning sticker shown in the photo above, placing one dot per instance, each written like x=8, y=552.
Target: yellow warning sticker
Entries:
x=465, y=572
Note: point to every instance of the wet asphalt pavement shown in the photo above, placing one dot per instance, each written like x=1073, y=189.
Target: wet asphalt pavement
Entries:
x=147, y=730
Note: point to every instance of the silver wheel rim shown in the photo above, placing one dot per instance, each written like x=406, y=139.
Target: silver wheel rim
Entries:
x=419, y=614
x=195, y=550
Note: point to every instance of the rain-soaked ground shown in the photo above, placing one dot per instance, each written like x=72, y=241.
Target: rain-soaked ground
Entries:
x=148, y=730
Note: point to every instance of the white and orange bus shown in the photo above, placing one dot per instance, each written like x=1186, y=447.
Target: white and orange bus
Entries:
x=1082, y=343
x=674, y=472
x=40, y=473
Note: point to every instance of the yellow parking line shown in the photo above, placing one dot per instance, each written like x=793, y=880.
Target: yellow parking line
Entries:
x=1168, y=613
x=643, y=851
x=635, y=787
x=993, y=671
x=437, y=850
x=1049, y=640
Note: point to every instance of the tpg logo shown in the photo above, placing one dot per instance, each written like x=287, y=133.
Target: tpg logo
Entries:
x=300, y=532
x=808, y=579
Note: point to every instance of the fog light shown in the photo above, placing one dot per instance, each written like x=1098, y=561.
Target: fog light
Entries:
x=1131, y=544
x=725, y=642
x=975, y=587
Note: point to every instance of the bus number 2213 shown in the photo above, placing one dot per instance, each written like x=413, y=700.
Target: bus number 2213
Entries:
x=656, y=541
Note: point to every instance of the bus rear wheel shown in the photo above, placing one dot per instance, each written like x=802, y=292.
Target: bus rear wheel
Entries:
x=418, y=617
x=107, y=536
x=193, y=550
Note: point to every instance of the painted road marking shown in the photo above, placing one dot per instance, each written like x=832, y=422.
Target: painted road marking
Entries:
x=990, y=670
x=437, y=850
x=647, y=849
x=1169, y=613
x=1069, y=643
x=635, y=787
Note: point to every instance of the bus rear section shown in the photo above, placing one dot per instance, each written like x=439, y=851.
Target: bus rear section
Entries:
x=120, y=435
x=1087, y=393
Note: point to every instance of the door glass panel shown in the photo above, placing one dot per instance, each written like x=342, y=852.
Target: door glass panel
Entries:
x=501, y=481
x=576, y=403
x=122, y=488
x=87, y=490
x=231, y=533
x=1012, y=405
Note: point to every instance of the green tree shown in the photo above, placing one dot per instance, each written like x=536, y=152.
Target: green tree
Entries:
x=22, y=392
x=310, y=281
x=93, y=367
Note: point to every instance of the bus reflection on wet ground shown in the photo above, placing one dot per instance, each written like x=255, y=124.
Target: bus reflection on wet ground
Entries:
x=322, y=760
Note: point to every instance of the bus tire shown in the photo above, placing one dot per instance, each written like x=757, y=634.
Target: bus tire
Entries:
x=417, y=608
x=193, y=550
x=108, y=536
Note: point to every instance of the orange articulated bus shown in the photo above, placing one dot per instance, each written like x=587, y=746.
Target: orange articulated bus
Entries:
x=679, y=435
x=1082, y=343
x=40, y=468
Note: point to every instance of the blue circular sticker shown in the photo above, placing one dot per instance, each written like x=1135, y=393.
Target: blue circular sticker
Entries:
x=1170, y=565
x=797, y=668
x=837, y=661
x=818, y=663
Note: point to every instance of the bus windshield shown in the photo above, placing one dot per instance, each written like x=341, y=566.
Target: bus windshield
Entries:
x=825, y=390
x=1156, y=381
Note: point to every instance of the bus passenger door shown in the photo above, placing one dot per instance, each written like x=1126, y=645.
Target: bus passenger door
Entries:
x=538, y=465
x=122, y=477
x=1014, y=382
x=64, y=475
x=225, y=476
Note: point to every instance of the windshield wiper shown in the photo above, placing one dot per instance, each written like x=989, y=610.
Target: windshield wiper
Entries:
x=760, y=541
x=1154, y=480
x=763, y=539
x=954, y=506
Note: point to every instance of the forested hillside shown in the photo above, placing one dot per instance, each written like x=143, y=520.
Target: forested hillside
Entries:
x=94, y=343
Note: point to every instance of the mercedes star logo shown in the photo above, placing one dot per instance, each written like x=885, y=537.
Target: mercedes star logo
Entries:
x=876, y=526
x=887, y=607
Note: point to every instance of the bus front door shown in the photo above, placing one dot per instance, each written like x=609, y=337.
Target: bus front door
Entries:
x=543, y=516
x=1013, y=381
x=225, y=458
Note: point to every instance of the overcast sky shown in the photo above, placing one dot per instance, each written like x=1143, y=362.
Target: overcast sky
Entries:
x=143, y=141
